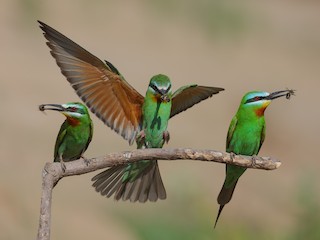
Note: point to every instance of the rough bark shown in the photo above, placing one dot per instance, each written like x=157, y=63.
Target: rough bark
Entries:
x=53, y=172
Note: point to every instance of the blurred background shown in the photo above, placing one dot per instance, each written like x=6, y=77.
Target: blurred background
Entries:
x=241, y=46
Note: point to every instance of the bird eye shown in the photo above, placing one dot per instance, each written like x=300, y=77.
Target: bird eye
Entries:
x=257, y=98
x=72, y=109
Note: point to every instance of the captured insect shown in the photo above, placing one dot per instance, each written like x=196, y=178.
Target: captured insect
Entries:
x=290, y=92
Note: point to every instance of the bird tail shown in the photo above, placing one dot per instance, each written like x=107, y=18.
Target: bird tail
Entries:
x=139, y=181
x=226, y=194
x=224, y=197
x=217, y=218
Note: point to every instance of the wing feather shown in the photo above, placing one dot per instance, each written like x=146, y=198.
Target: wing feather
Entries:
x=187, y=96
x=231, y=129
x=262, y=137
x=99, y=85
x=59, y=140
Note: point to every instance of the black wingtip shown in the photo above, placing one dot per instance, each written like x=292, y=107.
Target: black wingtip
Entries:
x=218, y=89
x=220, y=210
x=42, y=24
x=112, y=67
x=45, y=27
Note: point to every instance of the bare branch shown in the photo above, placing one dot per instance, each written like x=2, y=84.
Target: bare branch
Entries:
x=52, y=172
x=48, y=182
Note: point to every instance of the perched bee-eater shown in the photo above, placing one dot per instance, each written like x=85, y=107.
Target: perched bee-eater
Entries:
x=136, y=118
x=245, y=136
x=75, y=133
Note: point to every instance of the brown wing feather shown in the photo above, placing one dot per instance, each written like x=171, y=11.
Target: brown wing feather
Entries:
x=187, y=96
x=107, y=95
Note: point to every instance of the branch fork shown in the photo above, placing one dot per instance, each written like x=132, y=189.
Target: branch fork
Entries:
x=53, y=172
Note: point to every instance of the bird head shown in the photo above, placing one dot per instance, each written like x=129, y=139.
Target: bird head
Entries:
x=259, y=101
x=74, y=111
x=160, y=87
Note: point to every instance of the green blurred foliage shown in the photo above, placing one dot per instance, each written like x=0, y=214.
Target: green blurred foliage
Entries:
x=308, y=218
x=190, y=219
x=225, y=19
x=29, y=8
x=218, y=18
x=182, y=222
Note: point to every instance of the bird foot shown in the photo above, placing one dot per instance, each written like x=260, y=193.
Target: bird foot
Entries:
x=254, y=162
x=166, y=136
x=86, y=160
x=127, y=155
x=63, y=165
x=232, y=156
x=140, y=137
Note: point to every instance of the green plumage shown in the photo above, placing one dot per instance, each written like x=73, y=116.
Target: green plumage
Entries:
x=245, y=136
x=75, y=133
x=136, y=118
x=142, y=181
x=155, y=114
x=72, y=141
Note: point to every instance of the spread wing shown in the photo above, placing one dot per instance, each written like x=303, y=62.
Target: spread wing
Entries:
x=99, y=85
x=187, y=96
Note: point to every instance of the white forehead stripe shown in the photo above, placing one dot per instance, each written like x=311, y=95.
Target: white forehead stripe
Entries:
x=70, y=105
x=163, y=88
x=258, y=94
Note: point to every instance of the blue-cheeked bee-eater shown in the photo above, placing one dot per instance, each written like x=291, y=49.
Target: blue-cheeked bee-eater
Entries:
x=136, y=118
x=245, y=136
x=75, y=133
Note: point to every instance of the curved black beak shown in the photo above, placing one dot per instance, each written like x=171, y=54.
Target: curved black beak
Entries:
x=55, y=107
x=287, y=93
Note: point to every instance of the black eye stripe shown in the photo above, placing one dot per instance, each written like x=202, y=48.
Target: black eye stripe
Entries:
x=72, y=109
x=154, y=87
x=169, y=88
x=75, y=109
x=255, y=99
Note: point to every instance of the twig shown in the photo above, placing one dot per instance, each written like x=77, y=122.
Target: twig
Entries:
x=52, y=172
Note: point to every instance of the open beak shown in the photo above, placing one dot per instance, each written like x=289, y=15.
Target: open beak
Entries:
x=286, y=93
x=55, y=107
